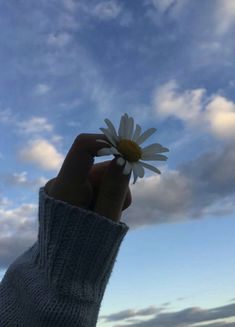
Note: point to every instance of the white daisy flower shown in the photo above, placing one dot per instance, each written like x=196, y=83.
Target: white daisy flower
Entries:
x=127, y=145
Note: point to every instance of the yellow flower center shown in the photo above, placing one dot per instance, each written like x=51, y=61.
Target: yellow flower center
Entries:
x=130, y=150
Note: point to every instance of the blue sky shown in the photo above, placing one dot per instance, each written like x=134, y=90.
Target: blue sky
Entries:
x=66, y=66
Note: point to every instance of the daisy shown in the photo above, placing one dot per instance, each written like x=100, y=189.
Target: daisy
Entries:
x=127, y=145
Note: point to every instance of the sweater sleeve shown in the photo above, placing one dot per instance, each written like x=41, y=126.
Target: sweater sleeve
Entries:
x=61, y=279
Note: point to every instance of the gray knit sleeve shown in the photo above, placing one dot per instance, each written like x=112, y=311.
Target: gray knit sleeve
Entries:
x=61, y=279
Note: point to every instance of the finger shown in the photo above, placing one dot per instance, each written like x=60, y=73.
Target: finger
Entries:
x=112, y=192
x=96, y=176
x=80, y=158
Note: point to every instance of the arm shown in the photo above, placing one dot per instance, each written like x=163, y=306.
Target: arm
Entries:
x=61, y=279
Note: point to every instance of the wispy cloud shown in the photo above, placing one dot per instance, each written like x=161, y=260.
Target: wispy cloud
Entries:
x=41, y=89
x=21, y=180
x=106, y=10
x=35, y=125
x=7, y=116
x=59, y=40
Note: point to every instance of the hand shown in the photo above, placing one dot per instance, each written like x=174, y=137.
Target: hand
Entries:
x=101, y=188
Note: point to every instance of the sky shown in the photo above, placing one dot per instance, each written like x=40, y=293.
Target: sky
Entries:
x=67, y=65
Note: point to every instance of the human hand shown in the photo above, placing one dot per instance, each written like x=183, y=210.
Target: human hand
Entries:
x=101, y=188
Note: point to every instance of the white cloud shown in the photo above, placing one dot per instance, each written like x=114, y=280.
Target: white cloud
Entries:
x=215, y=114
x=59, y=40
x=42, y=153
x=35, y=125
x=187, y=105
x=224, y=16
x=221, y=116
x=106, y=10
x=41, y=89
x=18, y=231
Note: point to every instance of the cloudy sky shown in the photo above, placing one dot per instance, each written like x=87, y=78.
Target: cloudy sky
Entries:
x=67, y=65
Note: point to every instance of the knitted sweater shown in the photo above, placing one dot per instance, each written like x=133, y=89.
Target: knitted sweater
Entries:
x=61, y=279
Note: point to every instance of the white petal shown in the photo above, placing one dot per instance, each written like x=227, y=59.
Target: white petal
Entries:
x=103, y=152
x=127, y=168
x=150, y=157
x=150, y=167
x=98, y=140
x=153, y=148
x=164, y=149
x=108, y=134
x=121, y=127
x=115, y=151
x=137, y=132
x=146, y=135
x=120, y=161
x=135, y=173
x=126, y=120
x=130, y=128
x=139, y=169
x=111, y=128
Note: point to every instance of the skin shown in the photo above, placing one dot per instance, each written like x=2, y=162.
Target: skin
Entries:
x=100, y=187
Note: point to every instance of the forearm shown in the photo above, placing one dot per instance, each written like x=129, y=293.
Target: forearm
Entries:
x=61, y=280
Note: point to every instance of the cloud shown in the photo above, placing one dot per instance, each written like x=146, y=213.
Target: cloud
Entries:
x=35, y=125
x=162, y=5
x=224, y=16
x=157, y=10
x=221, y=116
x=41, y=89
x=106, y=10
x=4, y=201
x=17, y=232
x=182, y=318
x=126, y=314
x=59, y=40
x=196, y=189
x=21, y=180
x=42, y=153
x=187, y=105
x=196, y=109
x=69, y=5
x=7, y=116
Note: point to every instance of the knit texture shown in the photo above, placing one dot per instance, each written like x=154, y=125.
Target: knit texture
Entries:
x=61, y=279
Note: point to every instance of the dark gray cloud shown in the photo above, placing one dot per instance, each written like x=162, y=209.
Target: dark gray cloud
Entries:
x=198, y=188
x=130, y=313
x=182, y=318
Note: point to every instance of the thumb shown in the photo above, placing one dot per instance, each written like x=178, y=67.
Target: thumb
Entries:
x=112, y=192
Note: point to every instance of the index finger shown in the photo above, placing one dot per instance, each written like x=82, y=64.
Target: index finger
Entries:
x=80, y=158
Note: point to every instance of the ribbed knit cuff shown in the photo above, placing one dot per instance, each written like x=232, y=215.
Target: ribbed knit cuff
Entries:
x=77, y=248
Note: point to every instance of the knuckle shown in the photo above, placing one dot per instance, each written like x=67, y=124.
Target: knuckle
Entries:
x=81, y=137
